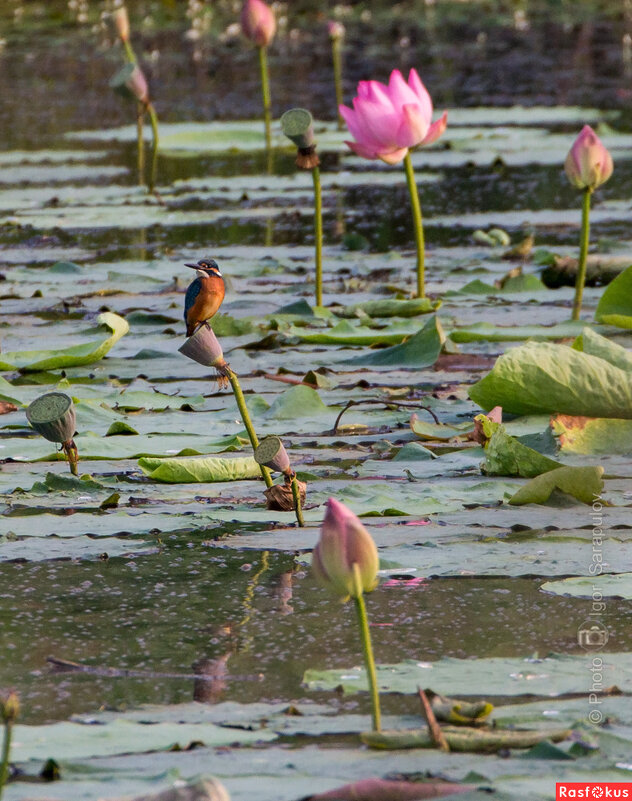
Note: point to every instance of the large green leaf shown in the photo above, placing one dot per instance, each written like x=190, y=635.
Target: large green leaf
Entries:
x=389, y=308
x=70, y=741
x=506, y=456
x=591, y=342
x=615, y=305
x=554, y=675
x=618, y=585
x=74, y=356
x=421, y=350
x=592, y=435
x=541, y=377
x=187, y=471
x=583, y=483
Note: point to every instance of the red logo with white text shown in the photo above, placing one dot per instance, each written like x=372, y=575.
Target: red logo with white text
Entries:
x=589, y=790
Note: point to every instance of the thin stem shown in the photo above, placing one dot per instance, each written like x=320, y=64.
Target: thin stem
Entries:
x=318, y=234
x=140, y=143
x=154, y=146
x=296, y=494
x=365, y=635
x=131, y=56
x=70, y=449
x=265, y=91
x=6, y=750
x=245, y=416
x=583, y=252
x=336, y=52
x=418, y=224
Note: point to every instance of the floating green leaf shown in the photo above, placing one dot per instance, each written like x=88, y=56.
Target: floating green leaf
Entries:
x=75, y=356
x=421, y=350
x=506, y=456
x=590, y=435
x=541, y=377
x=617, y=585
x=389, y=308
x=583, y=483
x=189, y=471
x=615, y=305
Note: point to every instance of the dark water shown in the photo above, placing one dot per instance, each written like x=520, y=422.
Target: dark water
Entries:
x=55, y=70
x=257, y=616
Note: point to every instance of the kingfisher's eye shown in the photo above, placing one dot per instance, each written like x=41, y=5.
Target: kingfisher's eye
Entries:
x=203, y=264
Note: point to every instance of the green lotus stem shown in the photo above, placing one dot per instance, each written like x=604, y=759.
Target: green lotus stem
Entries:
x=6, y=750
x=154, y=146
x=265, y=91
x=140, y=144
x=70, y=449
x=296, y=494
x=245, y=416
x=336, y=52
x=583, y=252
x=365, y=635
x=131, y=56
x=318, y=234
x=418, y=224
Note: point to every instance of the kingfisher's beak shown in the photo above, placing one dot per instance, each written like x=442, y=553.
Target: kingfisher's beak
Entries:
x=193, y=266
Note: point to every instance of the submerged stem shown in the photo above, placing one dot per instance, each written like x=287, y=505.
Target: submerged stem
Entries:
x=318, y=234
x=365, y=635
x=296, y=494
x=6, y=750
x=265, y=91
x=336, y=52
x=418, y=225
x=154, y=146
x=583, y=253
x=140, y=143
x=245, y=416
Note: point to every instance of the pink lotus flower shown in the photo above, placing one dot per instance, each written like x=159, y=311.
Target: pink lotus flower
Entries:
x=588, y=163
x=344, y=542
x=388, y=120
x=137, y=84
x=258, y=22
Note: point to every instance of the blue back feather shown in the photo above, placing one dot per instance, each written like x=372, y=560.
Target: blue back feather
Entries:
x=193, y=291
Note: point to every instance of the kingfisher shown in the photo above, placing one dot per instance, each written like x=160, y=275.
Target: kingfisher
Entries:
x=204, y=295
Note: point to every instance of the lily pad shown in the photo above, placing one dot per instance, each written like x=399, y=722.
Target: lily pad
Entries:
x=541, y=377
x=186, y=471
x=75, y=356
x=583, y=483
x=615, y=305
x=421, y=350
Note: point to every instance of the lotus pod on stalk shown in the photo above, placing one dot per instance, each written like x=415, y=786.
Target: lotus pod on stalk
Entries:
x=53, y=416
x=203, y=347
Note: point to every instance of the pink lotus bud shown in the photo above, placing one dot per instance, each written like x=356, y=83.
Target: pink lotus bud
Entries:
x=588, y=163
x=386, y=121
x=336, y=30
x=121, y=21
x=258, y=22
x=344, y=542
x=137, y=84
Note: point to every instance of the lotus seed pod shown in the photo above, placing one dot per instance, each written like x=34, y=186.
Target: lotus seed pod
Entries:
x=297, y=124
x=203, y=347
x=53, y=416
x=271, y=453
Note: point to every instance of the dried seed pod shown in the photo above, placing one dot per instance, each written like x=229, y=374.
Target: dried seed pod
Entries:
x=53, y=416
x=271, y=453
